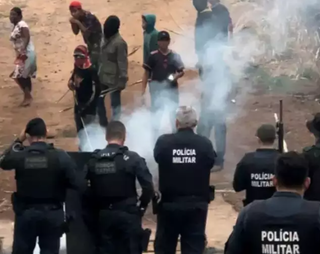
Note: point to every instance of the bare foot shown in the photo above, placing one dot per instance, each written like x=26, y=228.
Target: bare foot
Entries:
x=26, y=102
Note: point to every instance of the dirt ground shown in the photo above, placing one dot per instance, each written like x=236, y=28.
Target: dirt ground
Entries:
x=54, y=44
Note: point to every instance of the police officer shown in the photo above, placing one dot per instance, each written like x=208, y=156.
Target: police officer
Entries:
x=312, y=154
x=42, y=173
x=112, y=173
x=254, y=173
x=284, y=223
x=185, y=160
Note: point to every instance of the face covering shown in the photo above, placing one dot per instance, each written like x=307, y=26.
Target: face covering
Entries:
x=81, y=57
x=111, y=26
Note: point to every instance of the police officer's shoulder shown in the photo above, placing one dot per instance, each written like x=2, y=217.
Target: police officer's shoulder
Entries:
x=204, y=140
x=248, y=156
x=308, y=149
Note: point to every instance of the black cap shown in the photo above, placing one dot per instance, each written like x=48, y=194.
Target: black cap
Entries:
x=314, y=124
x=163, y=36
x=36, y=127
x=266, y=133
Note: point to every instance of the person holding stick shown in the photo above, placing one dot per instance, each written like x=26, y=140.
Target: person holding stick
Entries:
x=84, y=83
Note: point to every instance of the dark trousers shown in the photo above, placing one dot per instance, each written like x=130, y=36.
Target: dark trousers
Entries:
x=115, y=105
x=120, y=232
x=214, y=119
x=32, y=223
x=164, y=101
x=189, y=224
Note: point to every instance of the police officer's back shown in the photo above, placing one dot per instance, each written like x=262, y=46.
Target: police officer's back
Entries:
x=185, y=160
x=312, y=154
x=42, y=173
x=284, y=223
x=112, y=173
x=254, y=173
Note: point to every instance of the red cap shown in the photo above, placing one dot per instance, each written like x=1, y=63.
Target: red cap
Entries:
x=75, y=4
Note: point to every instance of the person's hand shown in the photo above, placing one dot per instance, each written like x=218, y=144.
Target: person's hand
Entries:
x=22, y=136
x=70, y=85
x=72, y=20
x=77, y=80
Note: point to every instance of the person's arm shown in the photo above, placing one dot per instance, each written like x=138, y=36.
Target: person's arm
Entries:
x=144, y=178
x=147, y=66
x=145, y=78
x=179, y=67
x=13, y=152
x=158, y=148
x=9, y=156
x=211, y=154
x=74, y=26
x=122, y=62
x=230, y=28
x=239, y=181
x=25, y=34
x=236, y=243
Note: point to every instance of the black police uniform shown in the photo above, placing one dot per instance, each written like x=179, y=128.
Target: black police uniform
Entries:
x=284, y=223
x=185, y=160
x=254, y=174
x=112, y=173
x=312, y=154
x=42, y=173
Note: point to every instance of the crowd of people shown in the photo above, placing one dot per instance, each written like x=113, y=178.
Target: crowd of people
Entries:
x=101, y=66
x=281, y=208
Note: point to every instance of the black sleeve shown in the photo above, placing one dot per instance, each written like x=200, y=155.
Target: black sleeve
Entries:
x=9, y=158
x=211, y=154
x=239, y=178
x=96, y=81
x=159, y=146
x=145, y=180
x=70, y=170
x=150, y=63
x=236, y=243
x=178, y=63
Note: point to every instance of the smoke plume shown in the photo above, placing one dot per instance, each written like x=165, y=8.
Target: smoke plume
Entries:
x=264, y=31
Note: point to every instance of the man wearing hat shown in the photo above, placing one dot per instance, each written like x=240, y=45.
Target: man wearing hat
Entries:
x=312, y=154
x=43, y=174
x=90, y=28
x=165, y=68
x=184, y=160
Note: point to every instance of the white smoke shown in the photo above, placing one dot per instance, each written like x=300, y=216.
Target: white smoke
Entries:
x=228, y=61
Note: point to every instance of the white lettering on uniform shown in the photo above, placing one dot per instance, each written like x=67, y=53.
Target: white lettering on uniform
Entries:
x=184, y=156
x=261, y=180
x=280, y=242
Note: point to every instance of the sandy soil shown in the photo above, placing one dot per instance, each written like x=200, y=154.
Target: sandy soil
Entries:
x=55, y=42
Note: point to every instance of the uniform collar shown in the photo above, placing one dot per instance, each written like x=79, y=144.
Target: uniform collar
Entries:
x=39, y=144
x=185, y=130
x=287, y=194
x=113, y=145
x=266, y=150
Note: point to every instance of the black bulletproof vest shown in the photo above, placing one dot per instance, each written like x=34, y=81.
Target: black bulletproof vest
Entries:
x=296, y=234
x=110, y=177
x=181, y=178
x=260, y=168
x=39, y=176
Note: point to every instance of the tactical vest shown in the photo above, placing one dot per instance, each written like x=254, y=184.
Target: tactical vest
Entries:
x=312, y=154
x=40, y=177
x=110, y=177
x=295, y=234
x=179, y=180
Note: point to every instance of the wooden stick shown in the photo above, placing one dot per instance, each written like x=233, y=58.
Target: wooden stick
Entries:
x=135, y=49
